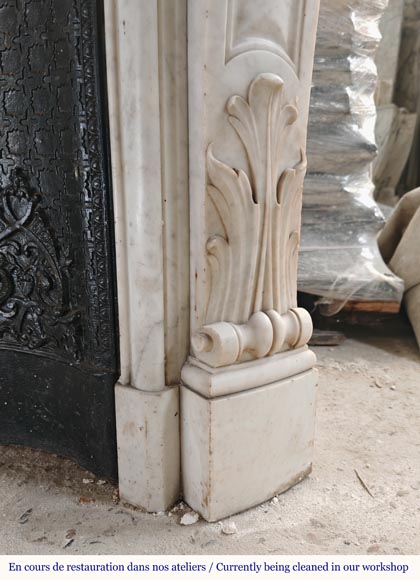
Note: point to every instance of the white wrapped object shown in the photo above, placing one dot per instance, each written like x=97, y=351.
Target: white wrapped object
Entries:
x=339, y=258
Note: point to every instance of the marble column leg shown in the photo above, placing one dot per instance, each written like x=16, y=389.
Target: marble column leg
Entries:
x=248, y=388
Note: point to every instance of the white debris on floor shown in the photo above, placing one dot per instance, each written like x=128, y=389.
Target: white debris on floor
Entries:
x=229, y=528
x=189, y=519
x=363, y=496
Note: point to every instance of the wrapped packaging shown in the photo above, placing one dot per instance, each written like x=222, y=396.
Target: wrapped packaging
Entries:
x=339, y=259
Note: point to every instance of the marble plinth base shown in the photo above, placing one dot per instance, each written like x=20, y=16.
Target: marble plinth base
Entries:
x=242, y=449
x=148, y=447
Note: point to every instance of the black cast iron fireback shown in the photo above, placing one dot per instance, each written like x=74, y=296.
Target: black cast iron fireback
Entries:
x=58, y=339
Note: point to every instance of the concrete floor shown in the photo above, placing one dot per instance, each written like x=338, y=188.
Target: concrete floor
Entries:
x=368, y=422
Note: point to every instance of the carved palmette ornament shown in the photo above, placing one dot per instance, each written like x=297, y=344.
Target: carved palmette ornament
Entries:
x=33, y=310
x=252, y=310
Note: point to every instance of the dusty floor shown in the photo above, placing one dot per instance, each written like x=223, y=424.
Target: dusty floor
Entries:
x=368, y=421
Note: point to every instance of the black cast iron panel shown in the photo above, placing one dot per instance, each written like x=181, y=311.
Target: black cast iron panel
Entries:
x=58, y=340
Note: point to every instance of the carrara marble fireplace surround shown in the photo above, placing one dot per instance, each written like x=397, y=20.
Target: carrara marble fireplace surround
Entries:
x=208, y=104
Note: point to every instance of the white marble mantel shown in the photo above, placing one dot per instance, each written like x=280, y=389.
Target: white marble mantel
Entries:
x=208, y=156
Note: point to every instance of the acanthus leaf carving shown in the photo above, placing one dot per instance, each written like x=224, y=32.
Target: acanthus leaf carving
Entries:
x=232, y=198
x=259, y=213
x=253, y=265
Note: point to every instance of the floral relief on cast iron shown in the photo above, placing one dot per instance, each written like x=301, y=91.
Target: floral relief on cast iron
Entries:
x=34, y=310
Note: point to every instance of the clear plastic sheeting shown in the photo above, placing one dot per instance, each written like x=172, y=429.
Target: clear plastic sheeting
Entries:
x=339, y=257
